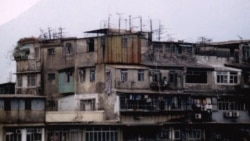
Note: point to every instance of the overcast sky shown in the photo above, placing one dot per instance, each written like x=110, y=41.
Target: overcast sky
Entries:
x=186, y=20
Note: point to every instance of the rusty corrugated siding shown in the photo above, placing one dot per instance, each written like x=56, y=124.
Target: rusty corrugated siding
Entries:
x=115, y=53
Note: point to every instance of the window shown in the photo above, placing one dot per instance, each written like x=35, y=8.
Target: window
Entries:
x=233, y=77
x=221, y=77
x=34, y=134
x=101, y=134
x=231, y=105
x=124, y=75
x=196, y=76
x=151, y=102
x=13, y=135
x=195, y=134
x=92, y=75
x=140, y=75
x=36, y=52
x=165, y=134
x=51, y=76
x=68, y=75
x=102, y=42
x=90, y=45
x=177, y=134
x=63, y=135
x=224, y=77
x=68, y=49
x=82, y=73
x=19, y=81
x=51, y=51
x=27, y=104
x=246, y=53
x=124, y=42
x=190, y=50
x=179, y=50
x=31, y=80
x=7, y=105
x=87, y=105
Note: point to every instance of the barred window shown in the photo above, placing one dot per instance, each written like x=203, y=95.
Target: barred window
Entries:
x=31, y=80
x=101, y=134
x=19, y=81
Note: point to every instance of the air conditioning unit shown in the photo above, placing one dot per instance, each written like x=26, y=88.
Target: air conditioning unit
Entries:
x=197, y=116
x=228, y=114
x=236, y=114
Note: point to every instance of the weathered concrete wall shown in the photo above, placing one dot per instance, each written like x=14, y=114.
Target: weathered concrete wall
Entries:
x=150, y=118
x=28, y=65
x=83, y=56
x=219, y=117
x=132, y=77
x=19, y=114
x=52, y=63
x=87, y=86
x=72, y=103
x=75, y=116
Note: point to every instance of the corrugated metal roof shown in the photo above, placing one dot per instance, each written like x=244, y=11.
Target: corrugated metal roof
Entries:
x=230, y=42
x=25, y=72
x=226, y=69
x=128, y=66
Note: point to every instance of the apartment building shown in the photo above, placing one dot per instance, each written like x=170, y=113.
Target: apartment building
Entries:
x=22, y=117
x=121, y=85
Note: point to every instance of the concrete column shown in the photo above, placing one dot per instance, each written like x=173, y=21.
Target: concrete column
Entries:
x=120, y=134
x=1, y=133
x=43, y=134
x=83, y=134
x=24, y=134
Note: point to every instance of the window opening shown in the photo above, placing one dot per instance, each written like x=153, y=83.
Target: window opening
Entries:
x=90, y=45
x=31, y=79
x=196, y=76
x=87, y=105
x=68, y=49
x=51, y=76
x=124, y=42
x=27, y=104
x=124, y=75
x=140, y=75
x=82, y=73
x=51, y=51
x=92, y=75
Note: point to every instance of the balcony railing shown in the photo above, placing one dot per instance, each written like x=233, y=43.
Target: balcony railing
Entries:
x=22, y=116
x=74, y=116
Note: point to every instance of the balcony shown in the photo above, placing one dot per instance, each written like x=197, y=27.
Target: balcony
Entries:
x=22, y=116
x=74, y=116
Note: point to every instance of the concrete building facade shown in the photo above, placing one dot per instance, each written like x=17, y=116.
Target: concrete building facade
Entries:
x=121, y=85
